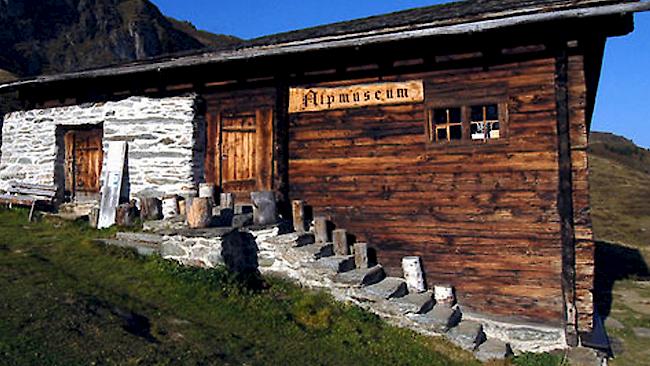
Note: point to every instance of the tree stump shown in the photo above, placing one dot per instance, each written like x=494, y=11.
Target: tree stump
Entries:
x=199, y=214
x=298, y=209
x=340, y=240
x=170, y=206
x=264, y=208
x=227, y=201
x=127, y=214
x=361, y=255
x=320, y=229
x=150, y=209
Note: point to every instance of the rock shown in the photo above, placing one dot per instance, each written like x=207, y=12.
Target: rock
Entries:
x=641, y=332
x=144, y=249
x=239, y=252
x=440, y=319
x=617, y=346
x=493, y=349
x=415, y=303
x=613, y=323
x=305, y=239
x=335, y=264
x=467, y=335
x=582, y=356
x=242, y=220
x=388, y=288
x=317, y=251
x=361, y=277
x=264, y=208
x=144, y=237
x=172, y=248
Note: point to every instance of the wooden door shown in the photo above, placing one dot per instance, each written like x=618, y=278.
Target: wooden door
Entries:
x=84, y=155
x=239, y=155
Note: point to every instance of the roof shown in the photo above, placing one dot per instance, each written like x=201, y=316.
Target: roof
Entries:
x=470, y=16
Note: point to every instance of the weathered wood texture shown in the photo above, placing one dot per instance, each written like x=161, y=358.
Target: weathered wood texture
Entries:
x=483, y=216
x=83, y=160
x=239, y=153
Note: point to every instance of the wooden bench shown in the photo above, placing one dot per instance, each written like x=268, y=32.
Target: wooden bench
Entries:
x=24, y=194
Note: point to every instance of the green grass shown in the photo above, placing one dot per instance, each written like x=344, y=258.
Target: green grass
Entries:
x=67, y=301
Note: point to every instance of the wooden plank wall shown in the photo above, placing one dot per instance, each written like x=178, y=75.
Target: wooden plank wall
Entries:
x=483, y=216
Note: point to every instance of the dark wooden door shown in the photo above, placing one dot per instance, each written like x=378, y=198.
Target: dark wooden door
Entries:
x=84, y=155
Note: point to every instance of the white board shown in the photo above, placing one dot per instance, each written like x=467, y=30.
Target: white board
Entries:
x=112, y=187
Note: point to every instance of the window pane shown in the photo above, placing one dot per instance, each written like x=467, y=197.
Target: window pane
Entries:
x=442, y=134
x=477, y=130
x=440, y=116
x=492, y=112
x=454, y=115
x=477, y=113
x=456, y=132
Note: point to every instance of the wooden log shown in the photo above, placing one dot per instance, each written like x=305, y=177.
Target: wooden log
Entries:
x=298, y=209
x=320, y=229
x=127, y=214
x=150, y=209
x=361, y=255
x=227, y=200
x=340, y=240
x=199, y=214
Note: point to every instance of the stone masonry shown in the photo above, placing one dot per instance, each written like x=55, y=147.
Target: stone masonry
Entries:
x=164, y=142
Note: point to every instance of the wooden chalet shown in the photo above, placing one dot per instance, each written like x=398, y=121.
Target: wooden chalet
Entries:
x=455, y=132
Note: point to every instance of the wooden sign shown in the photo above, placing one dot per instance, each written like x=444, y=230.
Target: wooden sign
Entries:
x=355, y=96
x=112, y=186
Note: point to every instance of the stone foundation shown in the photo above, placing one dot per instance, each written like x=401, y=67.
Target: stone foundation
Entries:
x=165, y=142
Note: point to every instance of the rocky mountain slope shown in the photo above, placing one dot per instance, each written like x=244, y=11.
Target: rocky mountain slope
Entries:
x=52, y=36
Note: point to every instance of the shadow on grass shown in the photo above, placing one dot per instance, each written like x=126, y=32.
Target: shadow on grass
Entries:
x=615, y=262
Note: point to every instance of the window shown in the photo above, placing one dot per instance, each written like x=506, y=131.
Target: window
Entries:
x=476, y=122
x=446, y=124
x=484, y=122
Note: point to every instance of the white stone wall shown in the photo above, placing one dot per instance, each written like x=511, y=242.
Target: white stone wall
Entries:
x=165, y=141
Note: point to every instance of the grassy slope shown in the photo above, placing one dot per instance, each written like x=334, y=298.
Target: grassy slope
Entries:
x=66, y=301
x=620, y=200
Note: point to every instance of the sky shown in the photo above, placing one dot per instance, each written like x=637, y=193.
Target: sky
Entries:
x=623, y=102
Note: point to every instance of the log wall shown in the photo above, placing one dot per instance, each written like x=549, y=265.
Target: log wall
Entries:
x=483, y=216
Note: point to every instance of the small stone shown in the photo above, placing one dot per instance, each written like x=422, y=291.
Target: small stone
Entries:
x=468, y=335
x=440, y=319
x=613, y=323
x=389, y=287
x=493, y=349
x=641, y=332
x=361, y=277
x=415, y=303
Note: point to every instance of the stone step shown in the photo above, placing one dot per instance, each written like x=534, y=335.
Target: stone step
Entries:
x=493, y=349
x=141, y=237
x=317, y=251
x=388, y=288
x=361, y=277
x=334, y=264
x=440, y=319
x=467, y=335
x=141, y=248
x=413, y=303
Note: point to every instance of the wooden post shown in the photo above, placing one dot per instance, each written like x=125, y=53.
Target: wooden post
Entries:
x=170, y=206
x=340, y=240
x=361, y=255
x=207, y=190
x=150, y=209
x=126, y=214
x=444, y=295
x=413, y=274
x=320, y=229
x=298, y=209
x=199, y=213
x=227, y=200
x=93, y=217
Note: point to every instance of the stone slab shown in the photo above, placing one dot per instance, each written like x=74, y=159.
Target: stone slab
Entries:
x=493, y=349
x=361, y=277
x=141, y=248
x=317, y=251
x=389, y=287
x=467, y=335
x=334, y=264
x=440, y=319
x=641, y=332
x=413, y=303
x=143, y=237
